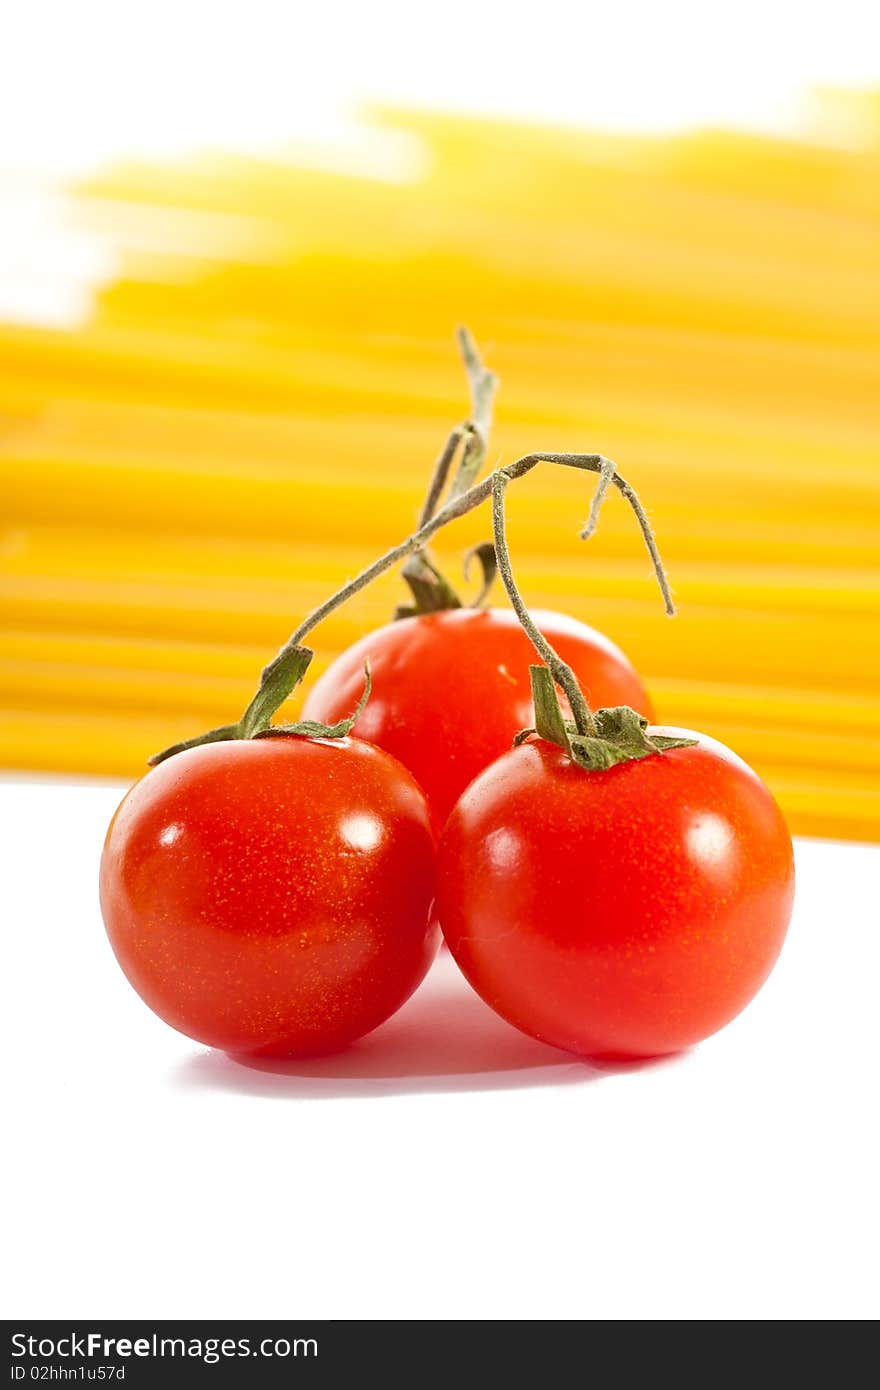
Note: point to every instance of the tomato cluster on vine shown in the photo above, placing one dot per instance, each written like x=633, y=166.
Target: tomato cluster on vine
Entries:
x=610, y=887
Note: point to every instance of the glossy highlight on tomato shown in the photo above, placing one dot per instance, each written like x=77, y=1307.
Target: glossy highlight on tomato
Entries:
x=622, y=913
x=451, y=689
x=271, y=896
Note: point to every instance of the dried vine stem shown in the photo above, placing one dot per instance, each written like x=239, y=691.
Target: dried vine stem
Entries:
x=483, y=384
x=282, y=673
x=559, y=670
x=459, y=506
x=440, y=476
x=472, y=437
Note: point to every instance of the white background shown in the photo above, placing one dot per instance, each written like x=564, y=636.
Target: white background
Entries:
x=445, y=1167
x=82, y=83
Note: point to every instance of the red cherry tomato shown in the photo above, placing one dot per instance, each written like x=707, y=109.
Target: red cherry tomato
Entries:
x=622, y=913
x=271, y=896
x=451, y=690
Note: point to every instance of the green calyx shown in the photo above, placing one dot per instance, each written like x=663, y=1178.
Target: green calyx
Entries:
x=313, y=728
x=279, y=679
x=431, y=590
x=620, y=733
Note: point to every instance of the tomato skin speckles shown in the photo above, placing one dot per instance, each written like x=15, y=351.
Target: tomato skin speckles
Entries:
x=451, y=690
x=272, y=896
x=624, y=913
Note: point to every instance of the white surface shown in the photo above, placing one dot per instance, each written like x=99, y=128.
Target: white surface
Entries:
x=445, y=1167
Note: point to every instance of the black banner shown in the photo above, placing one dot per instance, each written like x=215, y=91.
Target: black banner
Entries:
x=142, y=1353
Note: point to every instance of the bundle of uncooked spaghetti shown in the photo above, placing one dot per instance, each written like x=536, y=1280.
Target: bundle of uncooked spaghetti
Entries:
x=250, y=410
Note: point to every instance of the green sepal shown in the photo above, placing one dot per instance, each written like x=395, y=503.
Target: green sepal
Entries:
x=223, y=734
x=628, y=731
x=279, y=679
x=597, y=754
x=431, y=591
x=485, y=554
x=311, y=728
x=549, y=723
x=621, y=734
x=625, y=730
